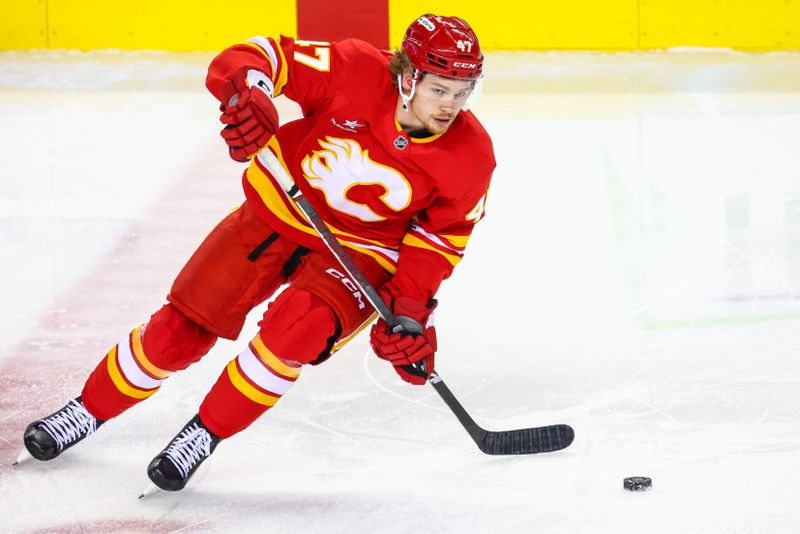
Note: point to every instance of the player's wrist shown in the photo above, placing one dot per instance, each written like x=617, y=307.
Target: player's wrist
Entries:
x=245, y=78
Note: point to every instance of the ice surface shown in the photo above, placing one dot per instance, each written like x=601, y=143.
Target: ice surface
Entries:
x=636, y=277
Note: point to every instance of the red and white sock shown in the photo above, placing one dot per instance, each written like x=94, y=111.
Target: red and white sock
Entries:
x=125, y=377
x=250, y=385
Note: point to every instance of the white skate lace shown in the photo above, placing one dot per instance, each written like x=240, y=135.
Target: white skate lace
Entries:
x=191, y=446
x=70, y=424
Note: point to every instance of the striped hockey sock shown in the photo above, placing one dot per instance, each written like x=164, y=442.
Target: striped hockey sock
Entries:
x=250, y=385
x=125, y=377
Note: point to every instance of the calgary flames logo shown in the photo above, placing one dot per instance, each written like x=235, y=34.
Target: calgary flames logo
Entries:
x=342, y=165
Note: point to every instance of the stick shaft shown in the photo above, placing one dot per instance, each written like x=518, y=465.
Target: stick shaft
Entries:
x=508, y=442
x=345, y=260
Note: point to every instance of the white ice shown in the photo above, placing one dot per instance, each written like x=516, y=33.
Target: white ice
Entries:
x=637, y=277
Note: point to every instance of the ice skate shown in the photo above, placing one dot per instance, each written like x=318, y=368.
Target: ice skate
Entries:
x=47, y=438
x=175, y=465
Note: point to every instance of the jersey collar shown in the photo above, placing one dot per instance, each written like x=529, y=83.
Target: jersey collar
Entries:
x=417, y=140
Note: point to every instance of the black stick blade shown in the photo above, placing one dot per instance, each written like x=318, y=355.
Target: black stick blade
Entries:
x=528, y=440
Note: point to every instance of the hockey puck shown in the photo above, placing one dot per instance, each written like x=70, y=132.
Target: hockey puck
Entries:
x=637, y=483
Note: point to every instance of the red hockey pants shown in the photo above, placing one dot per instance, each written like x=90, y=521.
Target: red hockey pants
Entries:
x=241, y=263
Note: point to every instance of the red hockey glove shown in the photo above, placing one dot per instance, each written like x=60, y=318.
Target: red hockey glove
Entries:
x=405, y=348
x=250, y=115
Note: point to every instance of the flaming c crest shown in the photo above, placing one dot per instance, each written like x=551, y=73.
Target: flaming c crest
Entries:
x=341, y=165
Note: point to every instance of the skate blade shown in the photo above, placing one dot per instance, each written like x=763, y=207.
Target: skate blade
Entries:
x=23, y=457
x=149, y=490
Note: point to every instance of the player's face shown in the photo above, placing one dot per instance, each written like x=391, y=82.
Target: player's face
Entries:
x=437, y=101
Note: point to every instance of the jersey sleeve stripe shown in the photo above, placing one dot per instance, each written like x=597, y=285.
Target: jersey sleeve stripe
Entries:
x=276, y=59
x=414, y=241
x=263, y=45
x=450, y=242
x=459, y=242
x=283, y=73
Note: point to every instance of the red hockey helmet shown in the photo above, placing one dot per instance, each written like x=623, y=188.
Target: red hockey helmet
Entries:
x=445, y=46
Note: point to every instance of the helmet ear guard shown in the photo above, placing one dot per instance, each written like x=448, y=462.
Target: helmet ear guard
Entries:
x=406, y=98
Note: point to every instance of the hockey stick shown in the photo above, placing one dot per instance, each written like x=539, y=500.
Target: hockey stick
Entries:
x=521, y=441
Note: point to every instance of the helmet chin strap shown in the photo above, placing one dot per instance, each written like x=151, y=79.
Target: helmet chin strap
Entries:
x=407, y=97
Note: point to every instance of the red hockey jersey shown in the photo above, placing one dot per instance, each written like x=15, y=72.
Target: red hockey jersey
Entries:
x=410, y=204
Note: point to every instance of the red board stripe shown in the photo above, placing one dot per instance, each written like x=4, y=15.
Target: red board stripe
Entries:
x=323, y=20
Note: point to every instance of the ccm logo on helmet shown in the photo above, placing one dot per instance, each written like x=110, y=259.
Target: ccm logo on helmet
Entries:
x=346, y=282
x=459, y=65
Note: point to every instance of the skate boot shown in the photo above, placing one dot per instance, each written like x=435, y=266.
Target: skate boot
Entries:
x=47, y=438
x=175, y=465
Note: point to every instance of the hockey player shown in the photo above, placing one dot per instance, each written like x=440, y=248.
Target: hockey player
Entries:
x=391, y=162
